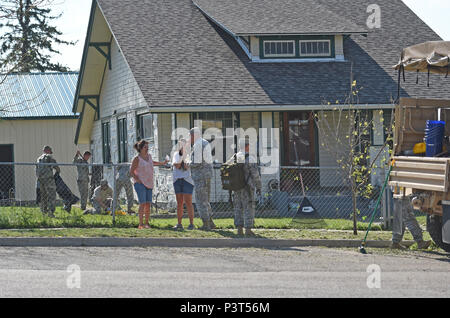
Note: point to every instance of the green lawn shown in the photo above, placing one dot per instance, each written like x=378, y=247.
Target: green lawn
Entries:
x=29, y=222
x=32, y=218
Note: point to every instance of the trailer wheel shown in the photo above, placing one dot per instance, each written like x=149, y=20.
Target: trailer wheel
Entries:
x=434, y=227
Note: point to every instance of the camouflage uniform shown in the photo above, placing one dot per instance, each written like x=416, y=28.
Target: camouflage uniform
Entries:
x=123, y=181
x=47, y=184
x=96, y=176
x=105, y=195
x=243, y=200
x=202, y=174
x=404, y=217
x=83, y=180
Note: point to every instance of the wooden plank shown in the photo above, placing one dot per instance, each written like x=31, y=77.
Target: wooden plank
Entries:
x=416, y=102
x=421, y=159
x=418, y=175
x=415, y=185
x=420, y=165
x=430, y=182
x=446, y=177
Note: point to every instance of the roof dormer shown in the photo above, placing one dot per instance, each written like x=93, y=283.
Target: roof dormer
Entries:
x=282, y=30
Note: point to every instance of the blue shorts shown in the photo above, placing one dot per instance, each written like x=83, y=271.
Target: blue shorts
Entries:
x=183, y=187
x=144, y=194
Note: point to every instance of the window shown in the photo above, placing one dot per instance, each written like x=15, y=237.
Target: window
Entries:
x=315, y=48
x=279, y=48
x=145, y=127
x=122, y=139
x=219, y=120
x=106, y=143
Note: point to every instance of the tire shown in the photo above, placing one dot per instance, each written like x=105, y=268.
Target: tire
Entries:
x=434, y=227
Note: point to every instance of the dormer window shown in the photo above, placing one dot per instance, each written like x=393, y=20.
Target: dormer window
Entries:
x=315, y=48
x=294, y=48
x=279, y=48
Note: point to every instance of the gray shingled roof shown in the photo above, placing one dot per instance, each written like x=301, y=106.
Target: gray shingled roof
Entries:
x=265, y=17
x=180, y=58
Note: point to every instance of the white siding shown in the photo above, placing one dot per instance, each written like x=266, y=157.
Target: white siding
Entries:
x=29, y=137
x=120, y=97
x=254, y=46
x=339, y=47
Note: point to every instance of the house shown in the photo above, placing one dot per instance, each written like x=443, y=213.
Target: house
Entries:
x=152, y=66
x=35, y=110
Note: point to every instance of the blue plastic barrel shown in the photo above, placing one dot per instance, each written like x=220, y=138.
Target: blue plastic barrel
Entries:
x=434, y=136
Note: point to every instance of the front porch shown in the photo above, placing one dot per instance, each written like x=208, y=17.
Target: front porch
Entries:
x=300, y=158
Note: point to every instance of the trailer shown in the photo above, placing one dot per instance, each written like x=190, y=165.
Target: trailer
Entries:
x=424, y=179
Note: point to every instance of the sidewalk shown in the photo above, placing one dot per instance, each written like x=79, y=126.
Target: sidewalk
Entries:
x=189, y=242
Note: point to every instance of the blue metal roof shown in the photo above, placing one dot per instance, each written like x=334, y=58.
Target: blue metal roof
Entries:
x=37, y=95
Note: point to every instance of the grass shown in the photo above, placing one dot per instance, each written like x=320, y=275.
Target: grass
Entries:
x=30, y=222
x=32, y=218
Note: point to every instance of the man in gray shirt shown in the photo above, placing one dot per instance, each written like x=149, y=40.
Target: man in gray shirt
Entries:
x=83, y=176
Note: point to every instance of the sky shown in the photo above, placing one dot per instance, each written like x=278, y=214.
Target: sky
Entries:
x=75, y=18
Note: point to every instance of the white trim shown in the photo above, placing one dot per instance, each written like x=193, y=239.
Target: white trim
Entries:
x=300, y=33
x=297, y=60
x=257, y=108
x=278, y=41
x=312, y=54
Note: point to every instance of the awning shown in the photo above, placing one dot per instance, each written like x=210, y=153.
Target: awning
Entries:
x=433, y=57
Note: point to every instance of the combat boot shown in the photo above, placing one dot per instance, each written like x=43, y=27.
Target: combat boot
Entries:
x=249, y=232
x=398, y=246
x=423, y=245
x=211, y=224
x=206, y=225
x=240, y=230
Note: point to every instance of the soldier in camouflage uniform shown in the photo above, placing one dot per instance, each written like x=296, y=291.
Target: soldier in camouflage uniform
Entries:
x=404, y=217
x=123, y=181
x=102, y=198
x=83, y=176
x=243, y=200
x=47, y=186
x=202, y=171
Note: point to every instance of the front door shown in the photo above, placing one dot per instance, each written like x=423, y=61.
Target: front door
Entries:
x=300, y=139
x=6, y=172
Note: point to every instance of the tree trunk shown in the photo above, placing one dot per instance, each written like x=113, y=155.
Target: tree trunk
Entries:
x=355, y=228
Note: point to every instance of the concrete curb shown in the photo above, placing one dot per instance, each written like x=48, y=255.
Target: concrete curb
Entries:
x=185, y=242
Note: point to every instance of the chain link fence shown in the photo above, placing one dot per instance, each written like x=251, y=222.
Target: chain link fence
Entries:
x=290, y=195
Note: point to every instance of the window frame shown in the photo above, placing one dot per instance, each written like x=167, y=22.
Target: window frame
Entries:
x=297, y=47
x=314, y=54
x=139, y=120
x=279, y=55
x=106, y=142
x=122, y=140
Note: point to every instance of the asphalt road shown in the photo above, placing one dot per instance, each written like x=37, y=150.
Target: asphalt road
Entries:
x=208, y=272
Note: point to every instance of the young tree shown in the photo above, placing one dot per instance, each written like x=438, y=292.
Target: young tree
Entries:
x=27, y=38
x=345, y=133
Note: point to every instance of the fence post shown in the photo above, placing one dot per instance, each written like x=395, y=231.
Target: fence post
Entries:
x=113, y=212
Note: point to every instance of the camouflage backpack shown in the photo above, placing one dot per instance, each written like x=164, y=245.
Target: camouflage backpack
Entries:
x=233, y=176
